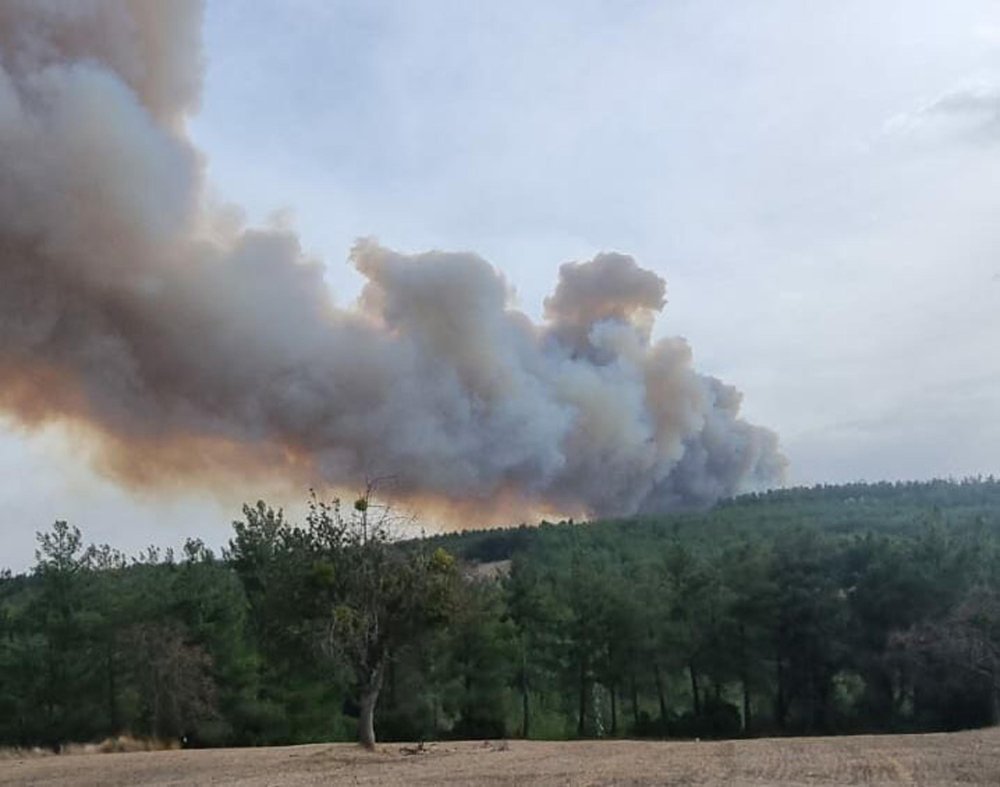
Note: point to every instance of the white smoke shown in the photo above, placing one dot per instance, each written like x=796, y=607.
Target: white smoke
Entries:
x=190, y=347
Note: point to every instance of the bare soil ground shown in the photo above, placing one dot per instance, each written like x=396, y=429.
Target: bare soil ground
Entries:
x=940, y=759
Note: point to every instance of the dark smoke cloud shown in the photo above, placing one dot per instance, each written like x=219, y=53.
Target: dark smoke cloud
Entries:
x=188, y=348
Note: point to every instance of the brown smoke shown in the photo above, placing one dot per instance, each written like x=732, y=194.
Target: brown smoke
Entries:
x=191, y=350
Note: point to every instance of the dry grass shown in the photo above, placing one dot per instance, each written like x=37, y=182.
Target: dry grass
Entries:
x=940, y=759
x=116, y=745
x=14, y=753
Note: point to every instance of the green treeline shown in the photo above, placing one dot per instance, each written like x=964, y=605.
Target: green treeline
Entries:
x=855, y=608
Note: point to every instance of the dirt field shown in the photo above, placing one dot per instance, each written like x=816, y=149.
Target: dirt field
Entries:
x=959, y=758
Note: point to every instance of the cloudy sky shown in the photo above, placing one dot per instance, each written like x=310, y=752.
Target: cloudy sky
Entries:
x=818, y=184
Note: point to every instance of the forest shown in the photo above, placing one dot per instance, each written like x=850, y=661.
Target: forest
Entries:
x=832, y=609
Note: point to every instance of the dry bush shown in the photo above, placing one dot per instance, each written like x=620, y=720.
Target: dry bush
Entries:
x=16, y=753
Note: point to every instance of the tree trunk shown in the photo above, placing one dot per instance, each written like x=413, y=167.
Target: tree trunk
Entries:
x=899, y=698
x=780, y=705
x=635, y=700
x=810, y=696
x=744, y=680
x=695, y=696
x=581, y=726
x=660, y=696
x=156, y=708
x=525, y=714
x=366, y=720
x=614, y=709
x=112, y=688
x=524, y=694
x=392, y=684
x=747, y=721
x=366, y=717
x=995, y=704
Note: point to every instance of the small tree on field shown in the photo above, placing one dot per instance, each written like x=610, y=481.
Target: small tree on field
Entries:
x=366, y=596
x=384, y=595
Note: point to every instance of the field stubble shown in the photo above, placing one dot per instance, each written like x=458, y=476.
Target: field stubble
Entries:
x=937, y=759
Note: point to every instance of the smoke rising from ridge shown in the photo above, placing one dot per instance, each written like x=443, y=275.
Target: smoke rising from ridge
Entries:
x=189, y=348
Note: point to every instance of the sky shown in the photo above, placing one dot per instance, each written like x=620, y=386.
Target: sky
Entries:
x=817, y=183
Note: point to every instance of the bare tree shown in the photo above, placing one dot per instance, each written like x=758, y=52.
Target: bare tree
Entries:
x=967, y=640
x=384, y=593
x=175, y=677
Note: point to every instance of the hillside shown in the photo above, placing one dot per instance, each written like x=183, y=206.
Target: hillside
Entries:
x=891, y=509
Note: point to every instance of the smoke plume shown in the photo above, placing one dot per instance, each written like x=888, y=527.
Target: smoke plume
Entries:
x=188, y=348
